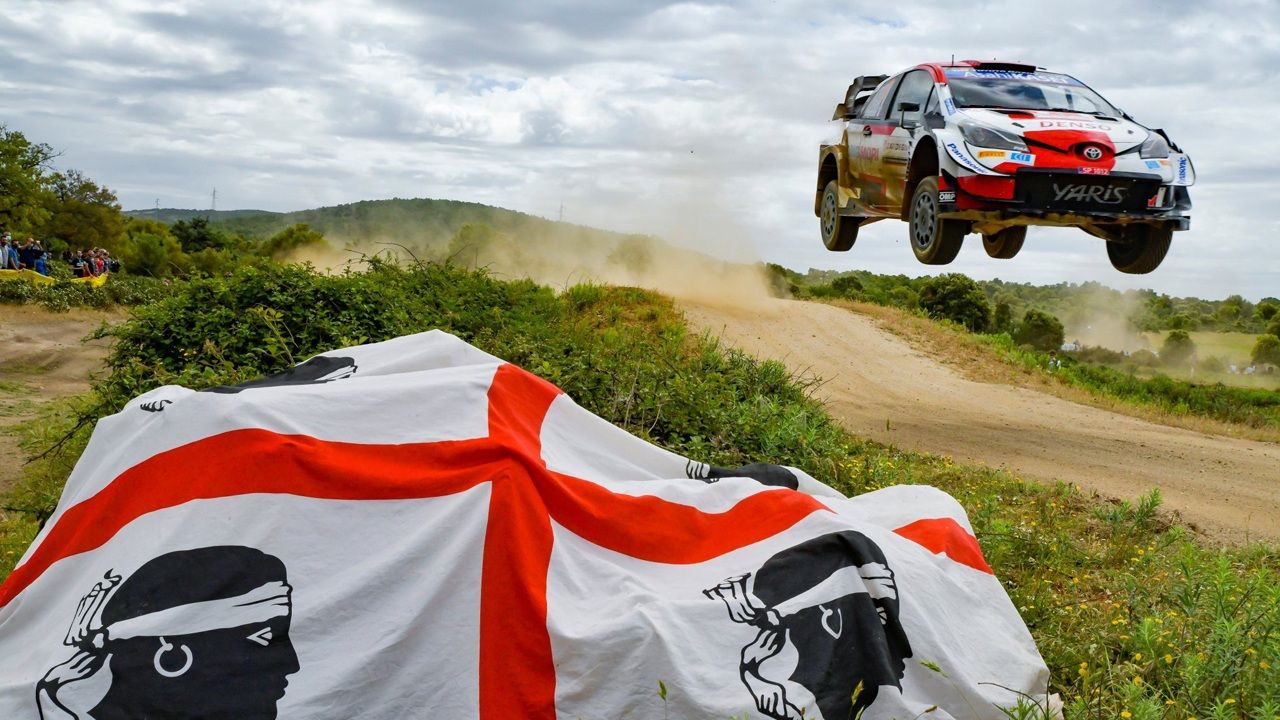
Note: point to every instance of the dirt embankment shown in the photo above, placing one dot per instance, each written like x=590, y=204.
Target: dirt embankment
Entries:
x=42, y=358
x=880, y=387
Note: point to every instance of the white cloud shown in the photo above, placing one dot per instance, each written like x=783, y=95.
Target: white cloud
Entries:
x=696, y=120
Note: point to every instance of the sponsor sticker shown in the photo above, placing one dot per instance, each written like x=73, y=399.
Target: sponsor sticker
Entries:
x=962, y=158
x=947, y=196
x=1153, y=165
x=1024, y=158
x=984, y=154
x=1093, y=171
x=1184, y=167
x=1076, y=125
x=1080, y=192
x=1044, y=77
x=949, y=106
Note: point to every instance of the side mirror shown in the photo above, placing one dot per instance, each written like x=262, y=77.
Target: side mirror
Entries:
x=903, y=109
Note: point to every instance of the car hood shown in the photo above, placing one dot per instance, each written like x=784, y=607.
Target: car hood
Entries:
x=1061, y=129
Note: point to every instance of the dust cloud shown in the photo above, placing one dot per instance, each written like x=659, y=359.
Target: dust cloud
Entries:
x=561, y=255
x=1104, y=317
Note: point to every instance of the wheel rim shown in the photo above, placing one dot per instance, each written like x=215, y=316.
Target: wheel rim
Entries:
x=925, y=214
x=828, y=215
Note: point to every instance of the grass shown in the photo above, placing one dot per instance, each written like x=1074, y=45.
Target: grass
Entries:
x=1229, y=346
x=1135, y=619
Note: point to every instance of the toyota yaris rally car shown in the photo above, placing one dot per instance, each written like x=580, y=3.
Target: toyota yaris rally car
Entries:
x=991, y=148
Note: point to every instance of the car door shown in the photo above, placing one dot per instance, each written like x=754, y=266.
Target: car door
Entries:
x=904, y=118
x=864, y=137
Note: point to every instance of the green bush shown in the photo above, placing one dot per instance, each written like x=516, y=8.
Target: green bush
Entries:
x=1266, y=350
x=1040, y=330
x=957, y=298
x=1178, y=349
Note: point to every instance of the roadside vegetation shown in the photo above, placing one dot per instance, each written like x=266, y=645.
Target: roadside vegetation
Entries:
x=1135, y=617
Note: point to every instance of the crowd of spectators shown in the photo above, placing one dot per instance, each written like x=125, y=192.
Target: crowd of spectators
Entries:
x=91, y=263
x=28, y=255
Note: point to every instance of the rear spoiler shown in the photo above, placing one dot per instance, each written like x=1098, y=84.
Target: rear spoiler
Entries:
x=861, y=84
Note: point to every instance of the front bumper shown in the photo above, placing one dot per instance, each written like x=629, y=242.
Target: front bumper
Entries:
x=1036, y=196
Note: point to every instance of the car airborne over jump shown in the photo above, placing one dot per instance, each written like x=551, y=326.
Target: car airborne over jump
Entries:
x=990, y=148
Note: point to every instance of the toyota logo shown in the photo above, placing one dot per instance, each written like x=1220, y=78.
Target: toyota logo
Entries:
x=1092, y=152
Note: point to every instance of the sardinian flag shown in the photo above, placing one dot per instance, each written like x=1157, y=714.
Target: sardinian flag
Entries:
x=415, y=528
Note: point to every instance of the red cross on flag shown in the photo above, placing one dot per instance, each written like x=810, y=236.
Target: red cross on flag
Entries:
x=415, y=528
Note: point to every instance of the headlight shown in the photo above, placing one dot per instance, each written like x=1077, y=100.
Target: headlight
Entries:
x=986, y=137
x=1154, y=147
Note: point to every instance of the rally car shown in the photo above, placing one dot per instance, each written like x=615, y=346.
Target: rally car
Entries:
x=991, y=148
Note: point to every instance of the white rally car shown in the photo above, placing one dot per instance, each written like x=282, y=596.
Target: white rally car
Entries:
x=990, y=148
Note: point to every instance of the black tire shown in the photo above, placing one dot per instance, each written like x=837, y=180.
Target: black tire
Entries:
x=1140, y=248
x=934, y=241
x=1006, y=243
x=838, y=232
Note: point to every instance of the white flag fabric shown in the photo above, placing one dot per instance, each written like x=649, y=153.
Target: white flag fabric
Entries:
x=414, y=528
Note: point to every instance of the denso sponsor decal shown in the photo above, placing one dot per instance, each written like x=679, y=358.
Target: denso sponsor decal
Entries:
x=947, y=196
x=1080, y=192
x=1093, y=171
x=1076, y=125
x=963, y=159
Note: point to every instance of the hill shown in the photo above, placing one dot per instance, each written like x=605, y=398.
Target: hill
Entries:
x=173, y=215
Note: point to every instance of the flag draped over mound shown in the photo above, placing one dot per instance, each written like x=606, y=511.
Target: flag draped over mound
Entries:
x=415, y=528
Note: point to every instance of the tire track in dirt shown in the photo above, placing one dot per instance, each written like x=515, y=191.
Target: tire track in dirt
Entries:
x=881, y=388
x=42, y=358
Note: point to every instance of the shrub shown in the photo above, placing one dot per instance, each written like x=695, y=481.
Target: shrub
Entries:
x=1040, y=330
x=957, y=298
x=1266, y=350
x=1178, y=348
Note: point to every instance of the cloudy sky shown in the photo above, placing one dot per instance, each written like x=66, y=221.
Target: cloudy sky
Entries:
x=698, y=121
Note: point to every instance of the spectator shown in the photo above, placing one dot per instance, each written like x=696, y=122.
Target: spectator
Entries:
x=42, y=264
x=8, y=256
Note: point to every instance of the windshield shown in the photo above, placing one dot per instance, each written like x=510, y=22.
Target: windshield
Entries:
x=974, y=88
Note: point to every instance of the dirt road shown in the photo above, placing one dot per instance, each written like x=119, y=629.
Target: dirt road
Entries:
x=42, y=358
x=881, y=388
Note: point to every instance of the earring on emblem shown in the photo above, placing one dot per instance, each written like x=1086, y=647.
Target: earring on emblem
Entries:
x=165, y=647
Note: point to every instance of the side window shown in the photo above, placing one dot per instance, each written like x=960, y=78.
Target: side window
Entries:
x=875, y=107
x=915, y=88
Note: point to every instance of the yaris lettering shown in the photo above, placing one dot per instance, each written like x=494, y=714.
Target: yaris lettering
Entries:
x=1077, y=192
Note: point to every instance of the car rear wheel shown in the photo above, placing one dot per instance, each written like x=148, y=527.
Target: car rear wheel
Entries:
x=1006, y=243
x=838, y=232
x=934, y=241
x=1139, y=249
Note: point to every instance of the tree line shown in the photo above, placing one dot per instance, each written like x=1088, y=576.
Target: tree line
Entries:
x=67, y=211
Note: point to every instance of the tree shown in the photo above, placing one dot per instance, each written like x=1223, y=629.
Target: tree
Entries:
x=23, y=181
x=150, y=249
x=1273, y=327
x=1004, y=317
x=1266, y=351
x=301, y=235
x=1040, y=330
x=957, y=298
x=82, y=213
x=197, y=234
x=1266, y=309
x=1178, y=348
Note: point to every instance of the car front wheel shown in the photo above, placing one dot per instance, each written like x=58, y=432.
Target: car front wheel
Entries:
x=1139, y=249
x=1006, y=243
x=838, y=232
x=934, y=241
